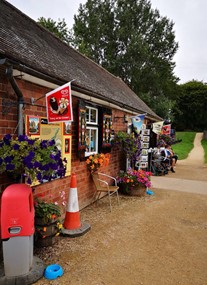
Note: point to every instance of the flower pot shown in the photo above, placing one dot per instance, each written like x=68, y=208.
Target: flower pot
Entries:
x=139, y=190
x=44, y=221
x=46, y=231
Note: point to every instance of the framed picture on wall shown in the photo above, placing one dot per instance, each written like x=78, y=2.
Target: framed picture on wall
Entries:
x=33, y=125
x=66, y=128
x=67, y=145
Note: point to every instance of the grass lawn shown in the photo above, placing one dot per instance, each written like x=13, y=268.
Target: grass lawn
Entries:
x=183, y=148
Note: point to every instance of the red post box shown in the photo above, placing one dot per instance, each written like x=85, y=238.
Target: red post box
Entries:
x=17, y=229
x=17, y=211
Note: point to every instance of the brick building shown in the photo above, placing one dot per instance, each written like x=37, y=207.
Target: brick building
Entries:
x=32, y=63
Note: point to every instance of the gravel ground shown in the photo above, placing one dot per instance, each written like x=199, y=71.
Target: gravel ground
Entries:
x=159, y=239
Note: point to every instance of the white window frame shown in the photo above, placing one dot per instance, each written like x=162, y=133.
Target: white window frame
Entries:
x=90, y=109
x=92, y=126
x=87, y=153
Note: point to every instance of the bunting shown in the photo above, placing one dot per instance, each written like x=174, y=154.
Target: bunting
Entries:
x=157, y=127
x=166, y=129
x=137, y=122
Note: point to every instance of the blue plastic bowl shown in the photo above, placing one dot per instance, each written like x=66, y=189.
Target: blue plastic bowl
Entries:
x=53, y=271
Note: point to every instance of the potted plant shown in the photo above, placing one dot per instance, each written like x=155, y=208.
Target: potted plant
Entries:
x=96, y=161
x=47, y=222
x=30, y=160
x=134, y=182
x=130, y=144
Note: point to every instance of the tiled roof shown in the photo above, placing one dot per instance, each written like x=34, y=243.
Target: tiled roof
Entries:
x=26, y=42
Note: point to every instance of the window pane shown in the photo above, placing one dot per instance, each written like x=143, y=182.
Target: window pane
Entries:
x=93, y=142
x=93, y=116
x=87, y=115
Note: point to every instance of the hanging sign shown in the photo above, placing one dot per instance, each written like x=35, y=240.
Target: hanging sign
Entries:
x=137, y=122
x=166, y=129
x=157, y=127
x=59, y=104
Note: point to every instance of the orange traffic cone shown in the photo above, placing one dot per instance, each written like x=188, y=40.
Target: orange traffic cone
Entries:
x=72, y=225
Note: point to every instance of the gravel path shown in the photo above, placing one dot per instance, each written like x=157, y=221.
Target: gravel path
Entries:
x=156, y=240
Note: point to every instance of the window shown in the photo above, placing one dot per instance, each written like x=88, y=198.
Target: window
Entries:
x=91, y=130
x=91, y=115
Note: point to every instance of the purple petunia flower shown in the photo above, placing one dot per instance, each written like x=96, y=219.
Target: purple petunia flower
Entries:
x=22, y=138
x=31, y=142
x=37, y=164
x=16, y=146
x=8, y=159
x=43, y=144
x=29, y=181
x=51, y=142
x=10, y=166
x=7, y=139
x=29, y=165
x=39, y=176
x=52, y=156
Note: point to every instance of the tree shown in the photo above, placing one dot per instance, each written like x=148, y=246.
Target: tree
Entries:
x=130, y=40
x=57, y=28
x=192, y=106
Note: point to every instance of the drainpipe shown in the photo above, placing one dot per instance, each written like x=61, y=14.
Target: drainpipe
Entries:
x=9, y=74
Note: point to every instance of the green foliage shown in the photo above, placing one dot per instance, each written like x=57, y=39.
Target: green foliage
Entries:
x=183, y=148
x=46, y=210
x=130, y=40
x=204, y=145
x=33, y=159
x=57, y=28
x=192, y=106
x=130, y=144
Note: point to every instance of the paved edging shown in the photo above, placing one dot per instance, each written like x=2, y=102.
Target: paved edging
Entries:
x=184, y=185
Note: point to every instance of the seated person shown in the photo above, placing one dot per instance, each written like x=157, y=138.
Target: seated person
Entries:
x=173, y=155
x=168, y=158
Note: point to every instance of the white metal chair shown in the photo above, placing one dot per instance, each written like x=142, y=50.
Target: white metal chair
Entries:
x=103, y=186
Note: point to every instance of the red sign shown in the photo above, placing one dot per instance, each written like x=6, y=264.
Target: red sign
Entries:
x=59, y=104
x=166, y=130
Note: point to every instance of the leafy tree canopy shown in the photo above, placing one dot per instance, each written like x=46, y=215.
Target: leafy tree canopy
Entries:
x=57, y=28
x=130, y=40
x=192, y=106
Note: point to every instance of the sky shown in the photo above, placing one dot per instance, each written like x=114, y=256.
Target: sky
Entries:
x=188, y=16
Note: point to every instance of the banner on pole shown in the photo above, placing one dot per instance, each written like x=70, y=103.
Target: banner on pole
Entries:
x=59, y=104
x=166, y=129
x=137, y=122
x=157, y=127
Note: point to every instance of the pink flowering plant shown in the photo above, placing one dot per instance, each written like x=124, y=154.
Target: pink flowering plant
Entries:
x=49, y=210
x=132, y=178
x=31, y=159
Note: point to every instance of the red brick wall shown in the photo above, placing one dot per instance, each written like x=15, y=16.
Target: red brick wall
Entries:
x=51, y=190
